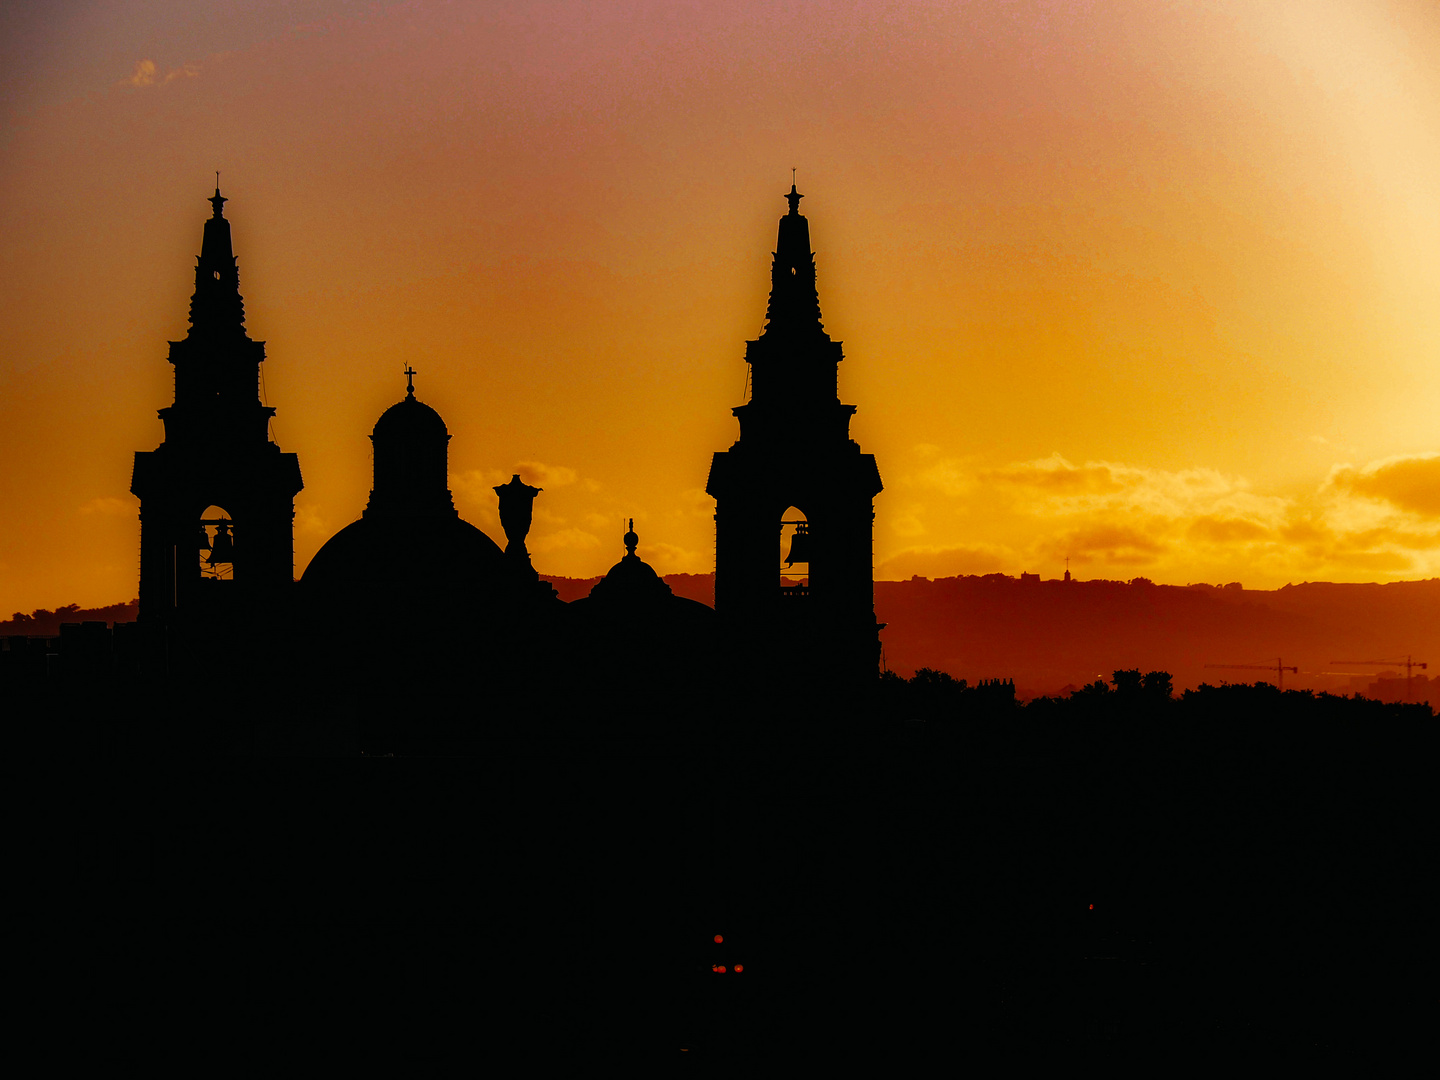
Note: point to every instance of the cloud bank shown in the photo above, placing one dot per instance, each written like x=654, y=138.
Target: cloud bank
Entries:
x=1118, y=520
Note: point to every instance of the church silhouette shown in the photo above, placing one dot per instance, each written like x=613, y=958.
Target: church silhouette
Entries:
x=412, y=597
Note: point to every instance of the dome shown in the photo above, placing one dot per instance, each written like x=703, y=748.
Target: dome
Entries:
x=632, y=580
x=410, y=421
x=411, y=462
x=417, y=563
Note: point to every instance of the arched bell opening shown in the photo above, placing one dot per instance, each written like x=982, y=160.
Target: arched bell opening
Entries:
x=215, y=540
x=795, y=553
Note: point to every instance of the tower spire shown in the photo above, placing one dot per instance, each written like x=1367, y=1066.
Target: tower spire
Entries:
x=795, y=451
x=216, y=308
x=217, y=452
x=794, y=302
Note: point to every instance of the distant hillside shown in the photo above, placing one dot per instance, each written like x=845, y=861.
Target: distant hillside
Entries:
x=1050, y=634
x=46, y=623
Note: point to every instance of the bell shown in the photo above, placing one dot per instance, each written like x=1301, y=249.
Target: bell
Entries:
x=223, y=550
x=203, y=542
x=799, y=545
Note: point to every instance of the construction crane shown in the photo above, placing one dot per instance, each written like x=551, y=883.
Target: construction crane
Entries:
x=1278, y=667
x=1408, y=664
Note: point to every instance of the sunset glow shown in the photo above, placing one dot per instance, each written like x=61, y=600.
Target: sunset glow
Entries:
x=1154, y=287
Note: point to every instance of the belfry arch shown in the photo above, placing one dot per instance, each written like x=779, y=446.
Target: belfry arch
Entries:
x=795, y=552
x=216, y=543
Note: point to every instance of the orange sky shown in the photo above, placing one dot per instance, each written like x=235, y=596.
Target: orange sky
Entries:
x=1154, y=285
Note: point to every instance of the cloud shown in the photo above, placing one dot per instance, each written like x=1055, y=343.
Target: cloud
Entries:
x=1216, y=529
x=1057, y=486
x=109, y=507
x=1393, y=535
x=1383, y=561
x=310, y=522
x=605, y=523
x=1109, y=543
x=571, y=539
x=1054, y=486
x=477, y=485
x=909, y=523
x=1411, y=484
x=541, y=475
x=146, y=73
x=672, y=559
x=1055, y=475
x=696, y=502
x=949, y=476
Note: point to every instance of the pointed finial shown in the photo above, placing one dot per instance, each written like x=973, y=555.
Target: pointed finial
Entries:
x=217, y=200
x=794, y=196
x=409, y=374
x=631, y=540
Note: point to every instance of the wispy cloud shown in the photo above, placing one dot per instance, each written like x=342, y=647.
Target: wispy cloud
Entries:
x=309, y=521
x=571, y=539
x=1407, y=483
x=477, y=486
x=146, y=73
x=109, y=507
x=673, y=559
x=143, y=75
x=543, y=475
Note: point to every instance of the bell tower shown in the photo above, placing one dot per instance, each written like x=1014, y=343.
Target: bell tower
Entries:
x=217, y=497
x=795, y=470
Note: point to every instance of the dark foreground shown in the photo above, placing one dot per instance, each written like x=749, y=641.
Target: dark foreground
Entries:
x=932, y=872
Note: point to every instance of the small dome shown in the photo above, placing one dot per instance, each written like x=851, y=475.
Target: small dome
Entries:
x=411, y=462
x=409, y=421
x=632, y=580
